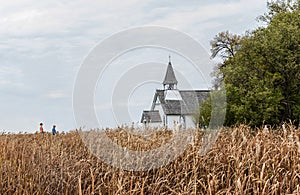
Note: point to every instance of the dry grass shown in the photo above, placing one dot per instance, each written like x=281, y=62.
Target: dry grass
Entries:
x=243, y=161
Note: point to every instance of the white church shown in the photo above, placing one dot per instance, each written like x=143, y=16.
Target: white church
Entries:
x=173, y=106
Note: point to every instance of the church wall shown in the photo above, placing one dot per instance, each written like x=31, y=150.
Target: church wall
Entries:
x=161, y=112
x=190, y=122
x=153, y=125
x=171, y=119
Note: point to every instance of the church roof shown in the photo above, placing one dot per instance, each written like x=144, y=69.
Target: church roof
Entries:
x=170, y=76
x=187, y=106
x=152, y=116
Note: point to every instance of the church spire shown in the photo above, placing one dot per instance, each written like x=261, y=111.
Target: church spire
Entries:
x=170, y=79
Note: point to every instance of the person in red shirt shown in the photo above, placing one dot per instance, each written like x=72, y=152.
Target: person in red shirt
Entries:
x=41, y=128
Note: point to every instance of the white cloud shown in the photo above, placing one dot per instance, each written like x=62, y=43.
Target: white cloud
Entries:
x=10, y=71
x=103, y=106
x=59, y=17
x=4, y=82
x=37, y=25
x=10, y=76
x=48, y=17
x=56, y=94
x=187, y=18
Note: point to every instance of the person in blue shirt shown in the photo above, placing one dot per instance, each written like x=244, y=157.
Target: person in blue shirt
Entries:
x=53, y=130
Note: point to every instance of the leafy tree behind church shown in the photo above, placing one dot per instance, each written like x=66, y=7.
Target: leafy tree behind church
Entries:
x=261, y=70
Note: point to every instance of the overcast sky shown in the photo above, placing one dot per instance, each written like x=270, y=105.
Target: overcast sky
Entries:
x=43, y=44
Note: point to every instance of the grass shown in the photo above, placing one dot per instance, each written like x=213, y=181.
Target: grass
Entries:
x=243, y=161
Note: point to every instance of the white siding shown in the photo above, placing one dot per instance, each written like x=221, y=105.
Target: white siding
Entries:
x=171, y=119
x=189, y=120
x=161, y=112
x=173, y=95
x=153, y=125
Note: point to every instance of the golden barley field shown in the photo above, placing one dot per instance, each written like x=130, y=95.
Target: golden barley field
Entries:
x=243, y=161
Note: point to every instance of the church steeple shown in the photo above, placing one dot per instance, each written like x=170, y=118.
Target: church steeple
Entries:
x=170, y=81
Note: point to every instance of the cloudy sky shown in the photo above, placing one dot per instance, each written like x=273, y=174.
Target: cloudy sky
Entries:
x=44, y=43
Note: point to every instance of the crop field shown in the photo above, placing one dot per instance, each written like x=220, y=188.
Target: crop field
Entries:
x=243, y=161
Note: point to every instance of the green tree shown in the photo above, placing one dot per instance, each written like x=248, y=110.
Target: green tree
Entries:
x=261, y=70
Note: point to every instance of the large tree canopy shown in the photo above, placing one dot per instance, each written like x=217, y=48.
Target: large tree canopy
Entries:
x=261, y=70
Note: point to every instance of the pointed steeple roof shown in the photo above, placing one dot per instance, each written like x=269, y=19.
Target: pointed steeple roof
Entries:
x=170, y=75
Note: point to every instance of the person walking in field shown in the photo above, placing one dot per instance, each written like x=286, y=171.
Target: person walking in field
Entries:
x=54, y=130
x=41, y=128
